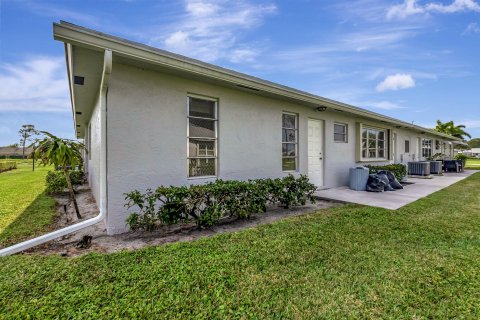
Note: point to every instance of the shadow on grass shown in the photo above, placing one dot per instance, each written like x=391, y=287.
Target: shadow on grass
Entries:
x=35, y=220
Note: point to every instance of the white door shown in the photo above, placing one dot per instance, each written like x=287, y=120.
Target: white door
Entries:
x=315, y=152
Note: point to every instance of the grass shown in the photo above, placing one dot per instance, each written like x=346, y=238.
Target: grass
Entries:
x=25, y=209
x=473, y=164
x=421, y=261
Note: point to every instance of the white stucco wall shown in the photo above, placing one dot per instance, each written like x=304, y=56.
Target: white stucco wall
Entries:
x=94, y=154
x=415, y=153
x=147, y=143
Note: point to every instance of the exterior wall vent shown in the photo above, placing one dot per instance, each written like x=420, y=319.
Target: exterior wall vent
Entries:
x=79, y=80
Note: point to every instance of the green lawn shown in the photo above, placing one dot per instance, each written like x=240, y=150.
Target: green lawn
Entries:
x=25, y=210
x=422, y=261
x=473, y=164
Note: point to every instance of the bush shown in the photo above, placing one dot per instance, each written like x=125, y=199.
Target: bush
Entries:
x=399, y=170
x=7, y=165
x=56, y=182
x=207, y=204
x=461, y=157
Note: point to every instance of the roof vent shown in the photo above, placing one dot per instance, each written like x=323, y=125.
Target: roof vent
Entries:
x=79, y=80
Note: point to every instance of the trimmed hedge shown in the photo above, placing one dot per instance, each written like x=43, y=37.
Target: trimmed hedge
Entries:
x=399, y=170
x=11, y=156
x=207, y=204
x=56, y=182
x=7, y=165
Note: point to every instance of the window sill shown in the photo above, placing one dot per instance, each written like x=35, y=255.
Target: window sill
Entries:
x=374, y=160
x=202, y=177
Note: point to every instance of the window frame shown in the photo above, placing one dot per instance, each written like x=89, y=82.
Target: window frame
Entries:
x=214, y=138
x=296, y=157
x=405, y=149
x=345, y=135
x=386, y=145
x=426, y=147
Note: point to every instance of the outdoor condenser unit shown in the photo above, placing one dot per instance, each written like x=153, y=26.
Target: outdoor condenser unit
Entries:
x=436, y=167
x=419, y=168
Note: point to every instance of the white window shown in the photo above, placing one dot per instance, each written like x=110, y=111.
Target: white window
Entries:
x=289, y=142
x=407, y=146
x=374, y=143
x=202, y=137
x=340, y=132
x=426, y=148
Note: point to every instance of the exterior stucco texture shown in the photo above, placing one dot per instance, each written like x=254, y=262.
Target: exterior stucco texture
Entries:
x=147, y=136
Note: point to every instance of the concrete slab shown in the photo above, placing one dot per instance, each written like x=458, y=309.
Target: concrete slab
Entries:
x=394, y=200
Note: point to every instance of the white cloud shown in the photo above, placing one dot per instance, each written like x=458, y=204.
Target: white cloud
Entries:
x=38, y=84
x=407, y=8
x=455, y=6
x=243, y=55
x=384, y=105
x=411, y=7
x=210, y=29
x=472, y=27
x=201, y=8
x=57, y=12
x=396, y=82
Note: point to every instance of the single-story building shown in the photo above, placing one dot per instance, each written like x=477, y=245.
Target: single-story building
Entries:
x=473, y=152
x=151, y=117
x=14, y=152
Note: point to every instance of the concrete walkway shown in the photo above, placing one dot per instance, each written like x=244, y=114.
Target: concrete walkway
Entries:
x=394, y=199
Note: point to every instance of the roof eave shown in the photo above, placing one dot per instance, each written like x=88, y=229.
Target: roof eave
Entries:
x=70, y=33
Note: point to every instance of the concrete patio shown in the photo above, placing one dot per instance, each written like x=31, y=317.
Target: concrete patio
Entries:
x=394, y=200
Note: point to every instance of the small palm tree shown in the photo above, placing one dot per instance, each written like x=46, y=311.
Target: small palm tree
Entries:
x=52, y=150
x=451, y=129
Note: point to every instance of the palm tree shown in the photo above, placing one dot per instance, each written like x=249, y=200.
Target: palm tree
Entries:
x=52, y=150
x=451, y=129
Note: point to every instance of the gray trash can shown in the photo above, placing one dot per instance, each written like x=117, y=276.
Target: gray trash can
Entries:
x=358, y=178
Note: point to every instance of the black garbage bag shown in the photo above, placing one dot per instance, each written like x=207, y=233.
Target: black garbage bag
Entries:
x=375, y=184
x=384, y=178
x=392, y=179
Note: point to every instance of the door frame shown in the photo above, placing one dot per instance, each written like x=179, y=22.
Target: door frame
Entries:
x=322, y=139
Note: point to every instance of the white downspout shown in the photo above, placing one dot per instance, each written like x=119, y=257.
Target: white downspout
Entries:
x=107, y=70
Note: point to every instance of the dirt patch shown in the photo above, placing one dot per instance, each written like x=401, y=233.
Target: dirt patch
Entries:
x=95, y=238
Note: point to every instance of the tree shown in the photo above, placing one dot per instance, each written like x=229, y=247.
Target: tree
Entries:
x=26, y=132
x=451, y=129
x=474, y=143
x=52, y=150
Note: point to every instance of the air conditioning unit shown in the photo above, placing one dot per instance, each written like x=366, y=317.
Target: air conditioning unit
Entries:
x=419, y=168
x=436, y=167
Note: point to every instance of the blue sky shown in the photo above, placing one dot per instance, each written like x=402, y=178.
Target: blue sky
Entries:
x=413, y=60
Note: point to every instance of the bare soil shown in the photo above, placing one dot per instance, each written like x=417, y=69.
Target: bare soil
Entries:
x=71, y=245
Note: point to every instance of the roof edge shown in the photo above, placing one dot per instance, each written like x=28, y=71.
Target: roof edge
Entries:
x=71, y=33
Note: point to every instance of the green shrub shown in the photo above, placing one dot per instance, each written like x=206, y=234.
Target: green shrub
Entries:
x=207, y=204
x=461, y=157
x=56, y=182
x=7, y=165
x=399, y=170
